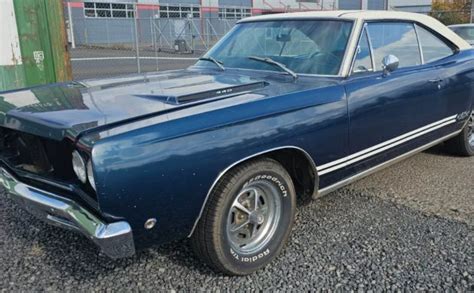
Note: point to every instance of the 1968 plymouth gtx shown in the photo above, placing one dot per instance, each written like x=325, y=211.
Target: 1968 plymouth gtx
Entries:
x=284, y=106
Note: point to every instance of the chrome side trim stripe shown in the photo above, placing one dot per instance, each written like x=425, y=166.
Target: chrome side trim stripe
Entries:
x=361, y=155
x=384, y=165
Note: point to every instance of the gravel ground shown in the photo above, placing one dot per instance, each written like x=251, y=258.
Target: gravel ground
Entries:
x=387, y=231
x=432, y=182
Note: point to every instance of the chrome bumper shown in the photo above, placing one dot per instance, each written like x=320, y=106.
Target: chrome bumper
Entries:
x=114, y=239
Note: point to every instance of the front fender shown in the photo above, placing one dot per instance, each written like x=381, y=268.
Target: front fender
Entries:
x=152, y=172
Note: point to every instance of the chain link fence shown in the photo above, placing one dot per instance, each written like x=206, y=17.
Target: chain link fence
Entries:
x=102, y=47
x=169, y=39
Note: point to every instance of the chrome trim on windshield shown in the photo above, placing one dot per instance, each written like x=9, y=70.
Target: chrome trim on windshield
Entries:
x=269, y=71
x=345, y=68
x=344, y=61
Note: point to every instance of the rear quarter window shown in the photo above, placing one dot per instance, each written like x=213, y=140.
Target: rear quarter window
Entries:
x=433, y=48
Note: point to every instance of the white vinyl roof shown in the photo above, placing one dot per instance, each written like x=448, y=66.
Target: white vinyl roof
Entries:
x=362, y=15
x=462, y=25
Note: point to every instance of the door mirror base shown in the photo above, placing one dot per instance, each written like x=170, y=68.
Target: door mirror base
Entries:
x=389, y=64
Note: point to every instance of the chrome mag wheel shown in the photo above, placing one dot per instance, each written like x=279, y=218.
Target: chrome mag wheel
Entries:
x=248, y=219
x=253, y=217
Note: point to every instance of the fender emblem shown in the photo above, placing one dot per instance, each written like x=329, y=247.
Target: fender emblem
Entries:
x=222, y=92
x=463, y=116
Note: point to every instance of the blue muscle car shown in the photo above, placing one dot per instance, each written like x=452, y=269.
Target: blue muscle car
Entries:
x=284, y=106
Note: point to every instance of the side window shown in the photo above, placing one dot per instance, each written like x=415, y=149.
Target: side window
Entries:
x=363, y=59
x=394, y=38
x=432, y=47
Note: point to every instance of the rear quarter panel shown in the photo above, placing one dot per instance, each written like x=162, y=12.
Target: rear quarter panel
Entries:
x=459, y=82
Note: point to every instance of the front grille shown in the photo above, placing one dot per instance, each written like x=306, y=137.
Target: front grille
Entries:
x=33, y=154
x=44, y=163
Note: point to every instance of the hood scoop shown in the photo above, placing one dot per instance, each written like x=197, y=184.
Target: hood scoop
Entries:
x=218, y=92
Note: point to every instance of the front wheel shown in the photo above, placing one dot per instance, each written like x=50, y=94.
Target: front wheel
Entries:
x=463, y=144
x=248, y=218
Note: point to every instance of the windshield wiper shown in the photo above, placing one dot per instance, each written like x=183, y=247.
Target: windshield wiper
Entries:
x=213, y=60
x=277, y=64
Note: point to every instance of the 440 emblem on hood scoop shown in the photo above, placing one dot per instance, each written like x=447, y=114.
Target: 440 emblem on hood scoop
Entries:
x=213, y=93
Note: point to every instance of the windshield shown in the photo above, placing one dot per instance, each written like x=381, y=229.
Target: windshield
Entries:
x=466, y=33
x=303, y=46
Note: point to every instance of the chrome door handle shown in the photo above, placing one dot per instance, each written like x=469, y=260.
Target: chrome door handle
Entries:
x=438, y=80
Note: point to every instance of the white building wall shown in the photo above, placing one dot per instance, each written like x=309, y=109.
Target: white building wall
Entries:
x=294, y=5
x=396, y=3
x=422, y=6
x=10, y=53
x=210, y=3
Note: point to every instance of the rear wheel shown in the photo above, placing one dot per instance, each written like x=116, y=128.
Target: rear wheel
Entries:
x=248, y=218
x=463, y=144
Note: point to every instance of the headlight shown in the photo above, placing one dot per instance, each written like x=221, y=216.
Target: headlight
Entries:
x=90, y=174
x=79, y=167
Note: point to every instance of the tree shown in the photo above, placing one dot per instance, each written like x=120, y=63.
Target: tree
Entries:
x=451, y=12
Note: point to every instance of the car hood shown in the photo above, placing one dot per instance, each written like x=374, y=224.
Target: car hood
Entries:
x=66, y=110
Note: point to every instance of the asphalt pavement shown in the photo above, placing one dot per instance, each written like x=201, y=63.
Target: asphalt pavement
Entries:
x=389, y=231
x=90, y=63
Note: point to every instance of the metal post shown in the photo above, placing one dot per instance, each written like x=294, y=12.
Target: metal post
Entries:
x=200, y=36
x=153, y=40
x=472, y=11
x=160, y=45
x=137, y=49
x=172, y=34
x=207, y=32
x=192, y=35
x=71, y=25
x=107, y=32
x=152, y=36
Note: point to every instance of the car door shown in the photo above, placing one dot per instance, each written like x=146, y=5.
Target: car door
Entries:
x=454, y=89
x=385, y=109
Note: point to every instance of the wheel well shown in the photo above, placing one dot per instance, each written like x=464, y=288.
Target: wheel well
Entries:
x=297, y=163
x=301, y=168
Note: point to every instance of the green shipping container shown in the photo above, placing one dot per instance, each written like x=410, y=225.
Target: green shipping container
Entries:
x=33, y=50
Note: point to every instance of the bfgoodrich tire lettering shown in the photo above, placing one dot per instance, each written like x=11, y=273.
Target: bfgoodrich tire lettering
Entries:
x=248, y=218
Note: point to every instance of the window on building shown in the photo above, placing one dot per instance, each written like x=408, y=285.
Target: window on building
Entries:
x=109, y=10
x=234, y=12
x=391, y=38
x=170, y=11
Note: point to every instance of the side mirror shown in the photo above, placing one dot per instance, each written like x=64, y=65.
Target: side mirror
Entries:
x=389, y=64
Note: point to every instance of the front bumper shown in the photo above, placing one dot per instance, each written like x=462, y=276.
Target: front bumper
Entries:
x=114, y=239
